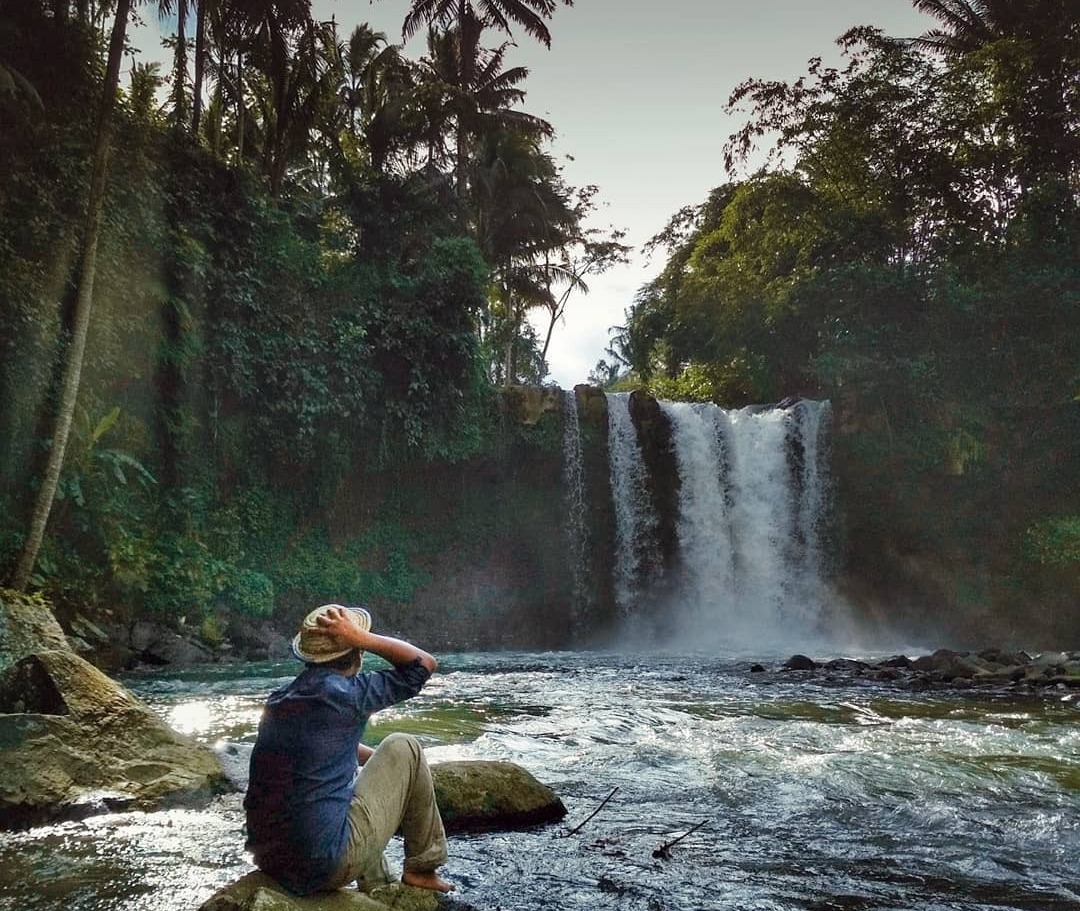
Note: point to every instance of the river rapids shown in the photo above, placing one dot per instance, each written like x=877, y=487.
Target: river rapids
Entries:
x=800, y=793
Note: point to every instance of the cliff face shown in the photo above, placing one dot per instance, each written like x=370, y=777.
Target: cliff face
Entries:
x=519, y=548
x=932, y=548
x=505, y=565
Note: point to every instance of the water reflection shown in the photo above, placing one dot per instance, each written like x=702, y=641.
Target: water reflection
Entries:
x=807, y=796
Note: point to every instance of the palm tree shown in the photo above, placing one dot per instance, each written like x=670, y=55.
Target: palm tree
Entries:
x=524, y=222
x=293, y=82
x=165, y=9
x=965, y=25
x=498, y=14
x=361, y=58
x=968, y=25
x=466, y=20
x=1036, y=49
x=377, y=93
x=259, y=30
x=84, y=299
x=485, y=102
x=200, y=65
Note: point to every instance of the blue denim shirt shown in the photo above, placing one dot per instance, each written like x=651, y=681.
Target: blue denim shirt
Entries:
x=304, y=766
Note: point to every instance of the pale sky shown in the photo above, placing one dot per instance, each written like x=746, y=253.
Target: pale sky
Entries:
x=636, y=94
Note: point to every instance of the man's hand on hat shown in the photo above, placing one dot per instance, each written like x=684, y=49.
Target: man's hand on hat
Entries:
x=339, y=624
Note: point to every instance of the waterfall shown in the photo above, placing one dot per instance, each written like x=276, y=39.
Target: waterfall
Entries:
x=753, y=497
x=574, y=485
x=814, y=502
x=635, y=518
x=766, y=526
x=707, y=545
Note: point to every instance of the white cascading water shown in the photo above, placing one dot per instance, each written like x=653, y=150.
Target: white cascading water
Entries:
x=814, y=501
x=752, y=496
x=701, y=435
x=635, y=518
x=574, y=485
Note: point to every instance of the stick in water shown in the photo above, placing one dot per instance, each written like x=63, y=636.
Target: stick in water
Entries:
x=664, y=850
x=581, y=825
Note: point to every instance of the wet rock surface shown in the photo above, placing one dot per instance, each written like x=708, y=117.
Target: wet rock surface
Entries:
x=73, y=743
x=480, y=795
x=991, y=667
x=27, y=625
x=258, y=892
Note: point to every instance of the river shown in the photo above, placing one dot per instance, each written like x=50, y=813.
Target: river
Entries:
x=807, y=793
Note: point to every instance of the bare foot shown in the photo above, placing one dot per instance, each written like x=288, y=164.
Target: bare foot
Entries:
x=427, y=881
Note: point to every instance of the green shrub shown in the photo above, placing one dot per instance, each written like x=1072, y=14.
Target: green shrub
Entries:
x=1054, y=541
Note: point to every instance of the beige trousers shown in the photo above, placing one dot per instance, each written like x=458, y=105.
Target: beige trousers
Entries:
x=393, y=791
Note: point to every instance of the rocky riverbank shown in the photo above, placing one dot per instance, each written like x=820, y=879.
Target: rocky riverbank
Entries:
x=77, y=743
x=990, y=667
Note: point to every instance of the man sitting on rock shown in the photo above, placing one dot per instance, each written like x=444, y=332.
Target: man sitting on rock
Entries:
x=321, y=807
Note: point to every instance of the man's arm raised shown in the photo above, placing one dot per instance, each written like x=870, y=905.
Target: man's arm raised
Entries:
x=397, y=651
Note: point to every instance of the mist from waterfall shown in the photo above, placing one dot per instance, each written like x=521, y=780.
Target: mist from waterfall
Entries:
x=752, y=511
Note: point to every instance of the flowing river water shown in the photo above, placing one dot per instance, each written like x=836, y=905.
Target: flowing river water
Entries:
x=809, y=793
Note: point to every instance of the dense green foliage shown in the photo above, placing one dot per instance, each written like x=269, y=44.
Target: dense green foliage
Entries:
x=316, y=258
x=293, y=284
x=912, y=252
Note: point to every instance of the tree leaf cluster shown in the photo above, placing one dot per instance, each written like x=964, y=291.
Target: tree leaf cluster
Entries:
x=911, y=250
x=254, y=329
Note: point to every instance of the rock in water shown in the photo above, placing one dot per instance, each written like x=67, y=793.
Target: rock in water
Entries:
x=74, y=742
x=481, y=794
x=258, y=892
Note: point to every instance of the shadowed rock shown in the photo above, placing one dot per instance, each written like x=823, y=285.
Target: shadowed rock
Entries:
x=73, y=742
x=480, y=794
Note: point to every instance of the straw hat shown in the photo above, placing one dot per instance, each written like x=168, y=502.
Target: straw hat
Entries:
x=314, y=645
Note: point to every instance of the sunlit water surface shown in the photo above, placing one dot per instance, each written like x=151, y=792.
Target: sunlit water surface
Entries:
x=807, y=794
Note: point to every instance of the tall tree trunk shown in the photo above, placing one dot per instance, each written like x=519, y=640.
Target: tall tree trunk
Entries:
x=83, y=305
x=469, y=31
x=180, y=67
x=200, y=57
x=547, y=337
x=510, y=367
x=239, y=110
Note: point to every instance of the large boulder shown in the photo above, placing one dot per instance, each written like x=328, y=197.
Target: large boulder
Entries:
x=156, y=645
x=27, y=625
x=74, y=742
x=482, y=794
